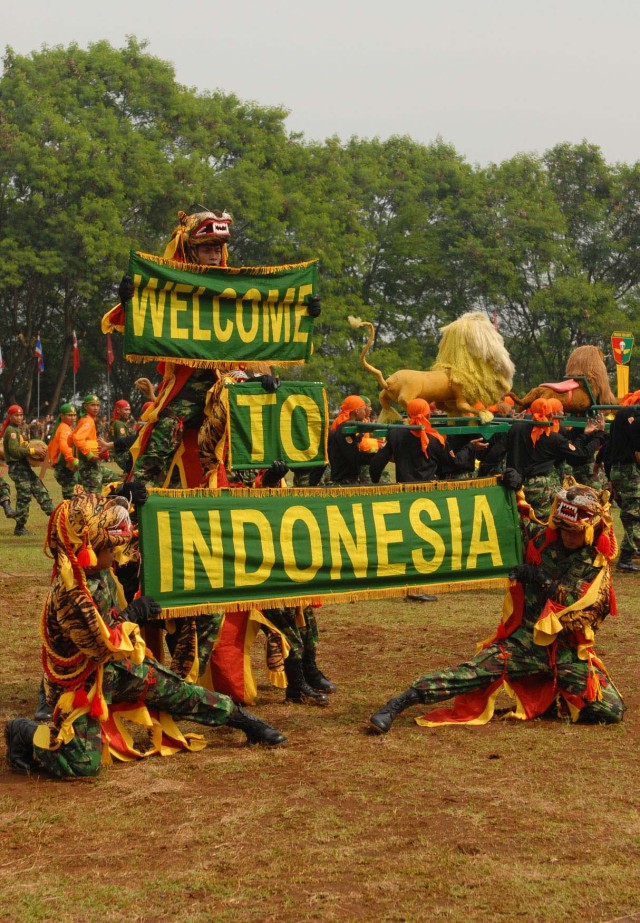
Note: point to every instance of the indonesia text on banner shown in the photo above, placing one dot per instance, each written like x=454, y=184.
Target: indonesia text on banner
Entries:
x=288, y=424
x=208, y=316
x=204, y=551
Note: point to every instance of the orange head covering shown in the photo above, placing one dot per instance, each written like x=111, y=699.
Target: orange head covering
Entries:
x=633, y=397
x=540, y=410
x=419, y=412
x=349, y=404
x=508, y=400
x=557, y=409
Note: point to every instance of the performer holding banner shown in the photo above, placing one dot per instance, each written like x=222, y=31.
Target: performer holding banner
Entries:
x=543, y=650
x=97, y=669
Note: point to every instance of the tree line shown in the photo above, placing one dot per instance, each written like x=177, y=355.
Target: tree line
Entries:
x=100, y=148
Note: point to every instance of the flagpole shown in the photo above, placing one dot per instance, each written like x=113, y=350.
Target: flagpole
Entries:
x=38, y=410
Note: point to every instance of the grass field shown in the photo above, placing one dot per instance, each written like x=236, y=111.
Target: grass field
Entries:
x=537, y=821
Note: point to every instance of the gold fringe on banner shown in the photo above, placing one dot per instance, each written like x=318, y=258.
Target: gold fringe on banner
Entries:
x=388, y=489
x=229, y=270
x=223, y=364
x=350, y=596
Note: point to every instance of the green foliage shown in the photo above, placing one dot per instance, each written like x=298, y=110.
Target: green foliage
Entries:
x=100, y=148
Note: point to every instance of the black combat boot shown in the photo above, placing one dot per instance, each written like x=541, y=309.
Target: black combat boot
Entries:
x=298, y=689
x=314, y=675
x=18, y=735
x=626, y=563
x=8, y=512
x=257, y=731
x=43, y=713
x=20, y=530
x=383, y=719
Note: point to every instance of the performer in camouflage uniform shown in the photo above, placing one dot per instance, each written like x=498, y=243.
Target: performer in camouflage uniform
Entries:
x=95, y=662
x=17, y=451
x=543, y=650
x=622, y=466
x=121, y=431
x=5, y=499
x=60, y=450
x=92, y=474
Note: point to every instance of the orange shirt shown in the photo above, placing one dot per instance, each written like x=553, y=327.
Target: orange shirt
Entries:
x=60, y=443
x=85, y=436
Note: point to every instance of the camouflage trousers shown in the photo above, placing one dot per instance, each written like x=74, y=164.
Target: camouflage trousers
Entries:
x=67, y=478
x=301, y=637
x=124, y=681
x=539, y=492
x=5, y=493
x=94, y=475
x=28, y=484
x=518, y=657
x=123, y=460
x=583, y=474
x=191, y=638
x=626, y=482
x=154, y=463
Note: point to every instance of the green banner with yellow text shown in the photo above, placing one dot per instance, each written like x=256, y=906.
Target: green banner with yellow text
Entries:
x=208, y=316
x=205, y=551
x=288, y=424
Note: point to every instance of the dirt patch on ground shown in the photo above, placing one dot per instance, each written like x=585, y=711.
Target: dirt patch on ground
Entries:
x=535, y=821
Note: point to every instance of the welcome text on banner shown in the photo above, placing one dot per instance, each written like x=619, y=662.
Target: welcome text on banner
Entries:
x=288, y=424
x=203, y=316
x=205, y=551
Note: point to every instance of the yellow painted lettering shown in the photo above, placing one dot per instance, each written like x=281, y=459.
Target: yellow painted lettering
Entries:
x=300, y=311
x=312, y=550
x=164, y=543
x=428, y=535
x=155, y=301
x=177, y=306
x=273, y=318
x=193, y=541
x=255, y=403
x=355, y=546
x=314, y=427
x=456, y=533
x=483, y=518
x=250, y=300
x=386, y=537
x=199, y=333
x=222, y=334
x=240, y=519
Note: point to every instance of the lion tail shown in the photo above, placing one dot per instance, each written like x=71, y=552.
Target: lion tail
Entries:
x=356, y=323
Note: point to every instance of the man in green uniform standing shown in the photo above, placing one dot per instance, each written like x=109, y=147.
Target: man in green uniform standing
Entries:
x=121, y=431
x=17, y=453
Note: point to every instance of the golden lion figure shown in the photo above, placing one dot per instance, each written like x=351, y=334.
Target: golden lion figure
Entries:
x=472, y=366
x=584, y=362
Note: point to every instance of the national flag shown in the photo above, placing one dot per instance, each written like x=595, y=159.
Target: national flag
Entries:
x=39, y=354
x=1, y=362
x=110, y=356
x=76, y=354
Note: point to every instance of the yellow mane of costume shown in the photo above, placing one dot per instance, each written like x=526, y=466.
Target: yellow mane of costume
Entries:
x=472, y=366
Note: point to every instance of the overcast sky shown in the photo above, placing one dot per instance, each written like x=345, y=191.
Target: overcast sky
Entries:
x=491, y=77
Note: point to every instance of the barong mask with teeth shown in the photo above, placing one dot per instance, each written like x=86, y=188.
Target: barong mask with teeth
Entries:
x=578, y=508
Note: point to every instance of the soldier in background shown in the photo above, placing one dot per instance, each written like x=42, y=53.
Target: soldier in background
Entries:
x=17, y=452
x=60, y=450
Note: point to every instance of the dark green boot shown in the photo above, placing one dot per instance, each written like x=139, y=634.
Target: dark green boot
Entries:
x=314, y=675
x=18, y=735
x=383, y=719
x=257, y=731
